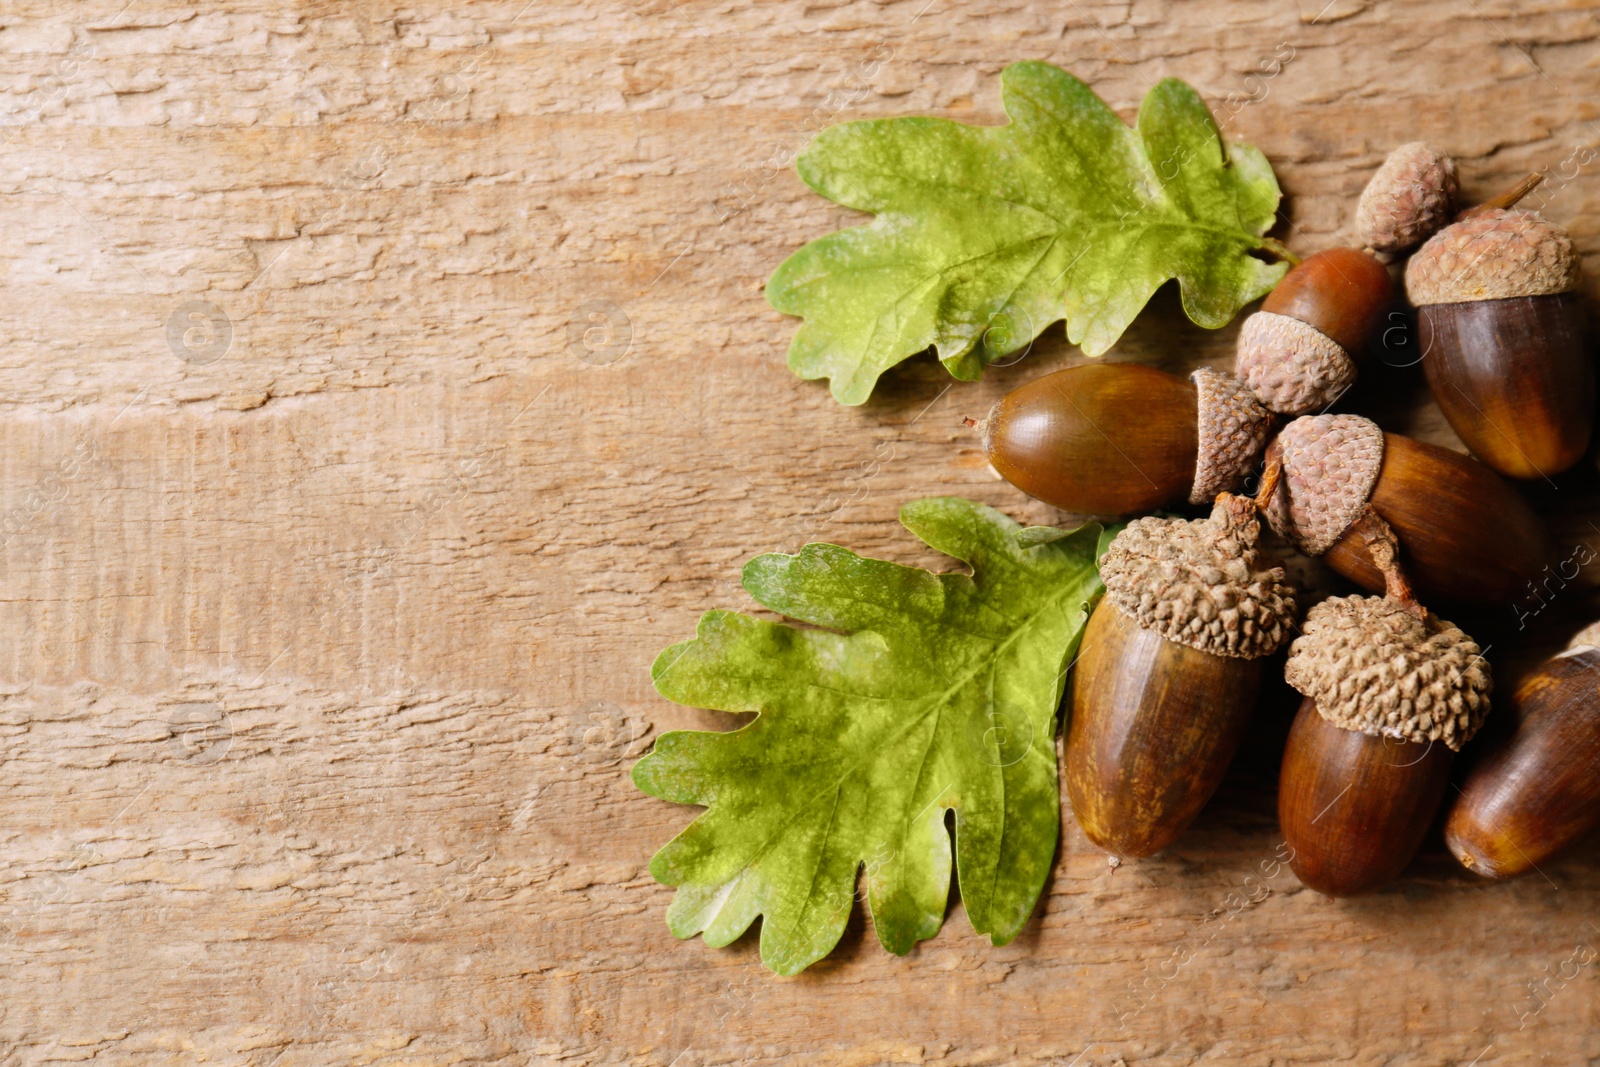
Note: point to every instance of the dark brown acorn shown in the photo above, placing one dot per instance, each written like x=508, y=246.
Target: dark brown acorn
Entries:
x=1305, y=346
x=1504, y=341
x=1113, y=438
x=1391, y=694
x=1353, y=807
x=1302, y=350
x=1465, y=534
x=1539, y=791
x=1168, y=673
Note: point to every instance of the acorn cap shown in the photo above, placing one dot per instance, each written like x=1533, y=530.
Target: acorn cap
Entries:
x=1375, y=666
x=1233, y=430
x=1330, y=464
x=1409, y=198
x=1292, y=366
x=1204, y=583
x=1494, y=255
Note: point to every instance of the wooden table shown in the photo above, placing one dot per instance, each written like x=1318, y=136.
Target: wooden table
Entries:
x=385, y=386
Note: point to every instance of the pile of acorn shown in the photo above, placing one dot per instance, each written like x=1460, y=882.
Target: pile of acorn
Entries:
x=1172, y=657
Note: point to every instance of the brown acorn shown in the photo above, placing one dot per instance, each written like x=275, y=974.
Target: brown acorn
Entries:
x=1465, y=534
x=1168, y=672
x=1305, y=346
x=1504, y=341
x=1113, y=438
x=1302, y=350
x=1408, y=200
x=1539, y=791
x=1392, y=693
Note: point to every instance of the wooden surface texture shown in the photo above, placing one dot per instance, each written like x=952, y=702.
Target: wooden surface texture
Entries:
x=383, y=386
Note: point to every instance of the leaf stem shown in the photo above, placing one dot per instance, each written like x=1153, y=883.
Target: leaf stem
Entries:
x=1278, y=249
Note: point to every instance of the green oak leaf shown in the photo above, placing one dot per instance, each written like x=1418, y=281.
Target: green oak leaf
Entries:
x=926, y=693
x=986, y=235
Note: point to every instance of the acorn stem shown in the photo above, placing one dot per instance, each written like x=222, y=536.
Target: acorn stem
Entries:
x=1508, y=198
x=1269, y=484
x=968, y=421
x=1384, y=549
x=1278, y=249
x=1239, y=513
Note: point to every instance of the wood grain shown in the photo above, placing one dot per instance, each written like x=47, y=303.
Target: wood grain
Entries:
x=328, y=638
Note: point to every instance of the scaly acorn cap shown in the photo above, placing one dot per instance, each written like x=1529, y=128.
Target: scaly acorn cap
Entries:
x=1233, y=429
x=1204, y=583
x=1409, y=198
x=1494, y=255
x=1374, y=666
x=1291, y=365
x=1330, y=464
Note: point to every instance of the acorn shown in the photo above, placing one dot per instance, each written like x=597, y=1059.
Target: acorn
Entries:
x=1301, y=351
x=1539, y=791
x=1409, y=199
x=1391, y=694
x=1168, y=672
x=1113, y=438
x=1304, y=348
x=1465, y=534
x=1504, y=341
